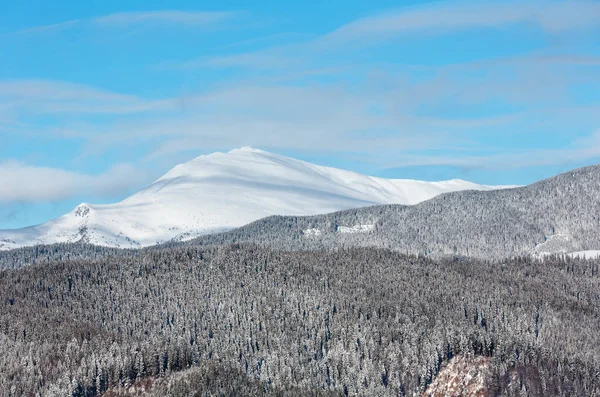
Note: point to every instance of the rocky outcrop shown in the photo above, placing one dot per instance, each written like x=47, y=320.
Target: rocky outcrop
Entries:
x=462, y=376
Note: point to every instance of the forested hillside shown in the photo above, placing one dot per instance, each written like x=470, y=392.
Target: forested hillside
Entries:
x=560, y=214
x=557, y=215
x=44, y=254
x=245, y=320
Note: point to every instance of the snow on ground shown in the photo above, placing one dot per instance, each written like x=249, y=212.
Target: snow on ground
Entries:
x=356, y=229
x=312, y=232
x=221, y=191
x=590, y=254
x=559, y=243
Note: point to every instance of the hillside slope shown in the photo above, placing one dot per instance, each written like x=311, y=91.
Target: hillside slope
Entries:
x=248, y=321
x=557, y=215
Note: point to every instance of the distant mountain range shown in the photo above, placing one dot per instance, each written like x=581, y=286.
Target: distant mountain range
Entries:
x=554, y=216
x=222, y=191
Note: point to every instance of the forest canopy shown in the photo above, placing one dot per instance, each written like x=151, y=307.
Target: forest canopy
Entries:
x=246, y=320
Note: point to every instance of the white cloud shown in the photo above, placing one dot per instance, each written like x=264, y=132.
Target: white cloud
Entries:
x=383, y=111
x=186, y=18
x=45, y=96
x=441, y=17
x=47, y=89
x=252, y=60
x=383, y=114
x=27, y=183
x=45, y=29
x=327, y=117
x=431, y=19
x=131, y=18
x=580, y=150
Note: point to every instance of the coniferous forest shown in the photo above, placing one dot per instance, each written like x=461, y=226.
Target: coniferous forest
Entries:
x=244, y=320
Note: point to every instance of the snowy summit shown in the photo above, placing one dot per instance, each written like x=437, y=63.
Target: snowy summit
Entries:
x=222, y=191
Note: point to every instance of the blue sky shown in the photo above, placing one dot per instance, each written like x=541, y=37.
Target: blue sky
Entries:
x=98, y=99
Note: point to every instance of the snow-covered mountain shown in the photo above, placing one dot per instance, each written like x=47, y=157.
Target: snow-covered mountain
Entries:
x=221, y=191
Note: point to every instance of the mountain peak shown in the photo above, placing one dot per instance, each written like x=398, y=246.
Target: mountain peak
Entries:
x=219, y=155
x=246, y=149
x=235, y=161
x=82, y=210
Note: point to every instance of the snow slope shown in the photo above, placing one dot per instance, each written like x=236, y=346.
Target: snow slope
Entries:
x=222, y=191
x=590, y=254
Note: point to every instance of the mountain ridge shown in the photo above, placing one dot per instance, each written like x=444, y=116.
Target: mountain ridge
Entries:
x=558, y=215
x=222, y=191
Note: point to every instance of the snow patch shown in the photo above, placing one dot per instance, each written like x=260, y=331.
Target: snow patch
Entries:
x=559, y=243
x=311, y=232
x=589, y=254
x=356, y=229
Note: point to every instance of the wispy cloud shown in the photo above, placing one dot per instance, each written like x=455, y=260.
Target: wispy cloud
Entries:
x=27, y=183
x=389, y=109
x=441, y=17
x=288, y=117
x=136, y=18
x=46, y=96
x=578, y=151
x=582, y=60
x=44, y=29
x=430, y=20
x=186, y=18
x=251, y=60
x=388, y=112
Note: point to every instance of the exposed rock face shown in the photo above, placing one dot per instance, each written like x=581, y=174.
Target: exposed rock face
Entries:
x=462, y=376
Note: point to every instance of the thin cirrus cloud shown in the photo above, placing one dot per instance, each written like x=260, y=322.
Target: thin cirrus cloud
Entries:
x=136, y=18
x=257, y=60
x=327, y=116
x=46, y=96
x=552, y=17
x=174, y=17
x=311, y=118
x=581, y=149
x=46, y=184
